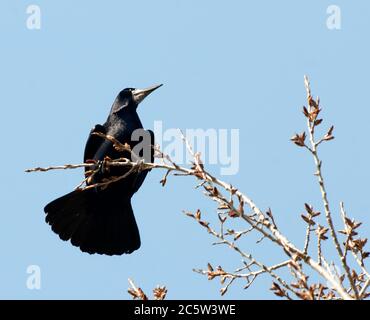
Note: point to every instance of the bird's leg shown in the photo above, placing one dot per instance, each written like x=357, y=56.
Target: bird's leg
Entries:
x=97, y=171
x=102, y=167
x=140, y=165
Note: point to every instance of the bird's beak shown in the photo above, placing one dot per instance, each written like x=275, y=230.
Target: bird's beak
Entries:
x=140, y=94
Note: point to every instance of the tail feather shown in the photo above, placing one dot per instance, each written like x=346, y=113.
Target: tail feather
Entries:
x=67, y=225
x=96, y=222
x=79, y=237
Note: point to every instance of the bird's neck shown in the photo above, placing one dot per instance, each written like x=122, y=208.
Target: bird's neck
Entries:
x=128, y=120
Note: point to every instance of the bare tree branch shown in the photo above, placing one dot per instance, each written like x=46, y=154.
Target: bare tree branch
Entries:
x=235, y=205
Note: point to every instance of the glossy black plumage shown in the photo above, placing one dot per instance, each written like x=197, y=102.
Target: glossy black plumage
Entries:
x=101, y=220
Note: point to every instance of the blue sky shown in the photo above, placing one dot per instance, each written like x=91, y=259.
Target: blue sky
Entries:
x=224, y=64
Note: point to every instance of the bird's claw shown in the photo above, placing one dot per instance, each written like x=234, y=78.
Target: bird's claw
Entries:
x=101, y=166
x=140, y=165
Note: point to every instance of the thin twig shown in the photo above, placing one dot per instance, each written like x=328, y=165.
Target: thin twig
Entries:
x=318, y=163
x=307, y=239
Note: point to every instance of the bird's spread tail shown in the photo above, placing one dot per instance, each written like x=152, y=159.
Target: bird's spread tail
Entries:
x=96, y=222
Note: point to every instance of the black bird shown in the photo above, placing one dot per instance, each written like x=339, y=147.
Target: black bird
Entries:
x=100, y=219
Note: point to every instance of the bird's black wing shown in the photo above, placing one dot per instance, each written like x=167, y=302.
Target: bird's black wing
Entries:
x=93, y=142
x=142, y=175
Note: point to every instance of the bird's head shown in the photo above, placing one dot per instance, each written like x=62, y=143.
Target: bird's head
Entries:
x=129, y=98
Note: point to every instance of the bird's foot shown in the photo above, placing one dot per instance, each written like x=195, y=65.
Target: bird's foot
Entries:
x=140, y=165
x=102, y=166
